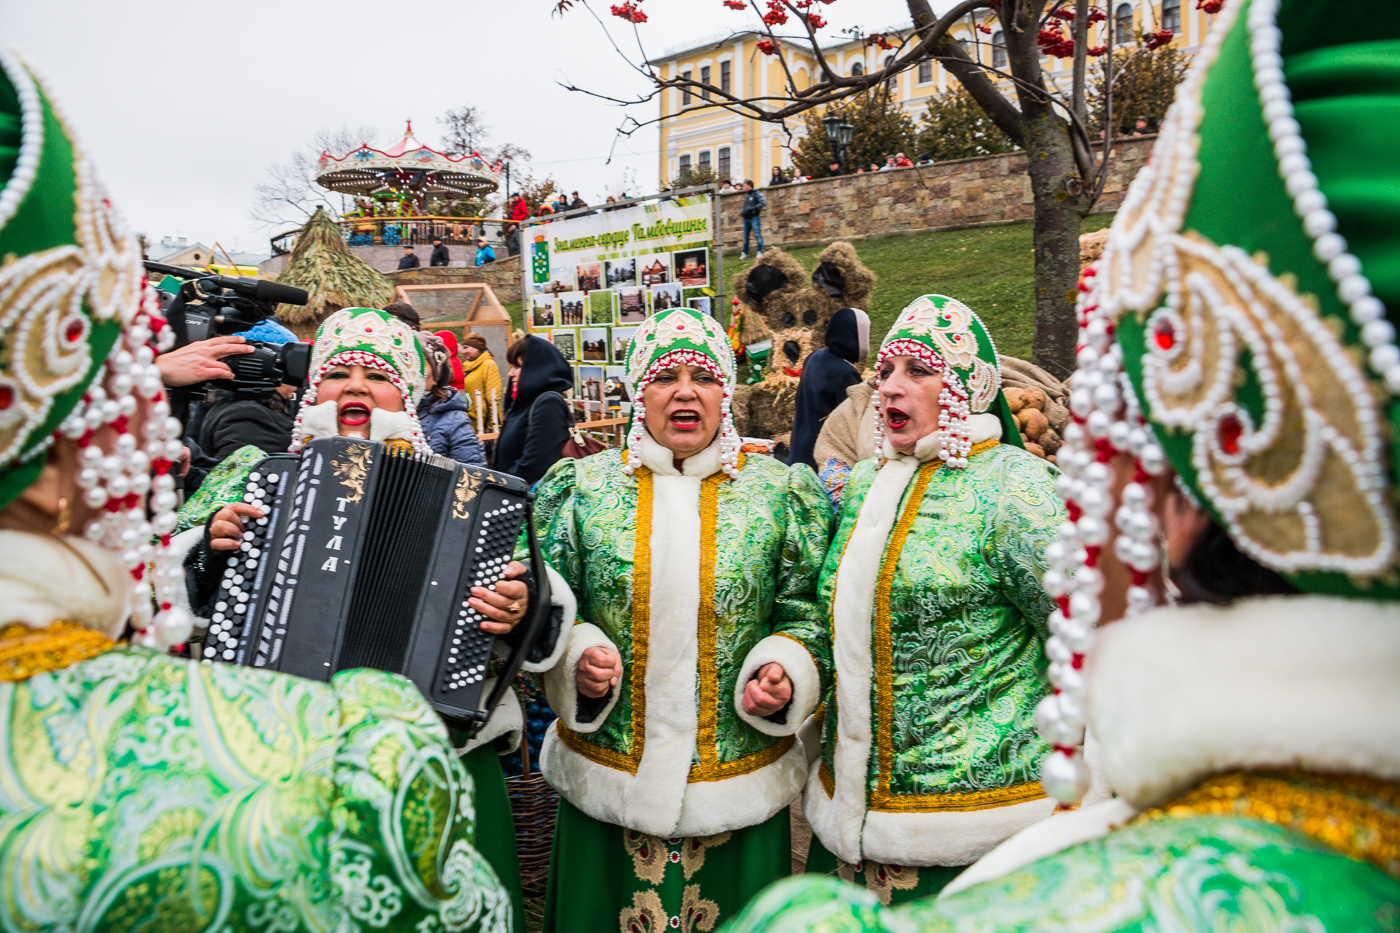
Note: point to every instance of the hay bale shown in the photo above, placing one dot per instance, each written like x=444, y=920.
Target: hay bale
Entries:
x=332, y=275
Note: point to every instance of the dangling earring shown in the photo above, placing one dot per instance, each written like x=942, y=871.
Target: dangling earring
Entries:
x=65, y=517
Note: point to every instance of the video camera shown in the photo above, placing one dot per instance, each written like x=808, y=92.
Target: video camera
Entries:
x=206, y=305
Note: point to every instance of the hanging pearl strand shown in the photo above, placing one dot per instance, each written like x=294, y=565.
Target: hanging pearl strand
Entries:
x=1320, y=224
x=117, y=478
x=1104, y=422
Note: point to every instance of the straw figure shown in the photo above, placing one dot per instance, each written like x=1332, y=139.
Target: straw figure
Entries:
x=332, y=275
x=784, y=305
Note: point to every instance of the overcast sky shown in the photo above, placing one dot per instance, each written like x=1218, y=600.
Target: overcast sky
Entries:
x=183, y=105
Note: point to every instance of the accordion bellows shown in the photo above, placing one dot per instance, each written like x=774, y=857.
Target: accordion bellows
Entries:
x=366, y=558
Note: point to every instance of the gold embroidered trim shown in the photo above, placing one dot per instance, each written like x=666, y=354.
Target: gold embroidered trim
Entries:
x=828, y=782
x=1356, y=815
x=706, y=768
x=729, y=769
x=976, y=800
x=641, y=614
x=618, y=761
x=25, y=652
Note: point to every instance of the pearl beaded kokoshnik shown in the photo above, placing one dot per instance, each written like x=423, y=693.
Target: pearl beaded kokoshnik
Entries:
x=728, y=436
x=1106, y=419
x=955, y=407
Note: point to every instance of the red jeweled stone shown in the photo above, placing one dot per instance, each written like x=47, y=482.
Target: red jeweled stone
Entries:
x=1229, y=431
x=1165, y=335
x=7, y=397
x=73, y=331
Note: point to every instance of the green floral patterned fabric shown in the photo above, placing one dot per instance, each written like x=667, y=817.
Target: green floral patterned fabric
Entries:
x=1203, y=873
x=144, y=793
x=967, y=625
x=224, y=484
x=770, y=538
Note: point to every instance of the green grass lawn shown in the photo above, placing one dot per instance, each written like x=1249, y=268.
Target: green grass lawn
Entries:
x=990, y=269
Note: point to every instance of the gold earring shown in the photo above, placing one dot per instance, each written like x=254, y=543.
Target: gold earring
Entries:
x=65, y=517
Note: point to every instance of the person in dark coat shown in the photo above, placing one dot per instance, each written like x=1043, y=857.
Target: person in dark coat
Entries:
x=825, y=377
x=442, y=412
x=534, y=434
x=439, y=257
x=229, y=423
x=409, y=259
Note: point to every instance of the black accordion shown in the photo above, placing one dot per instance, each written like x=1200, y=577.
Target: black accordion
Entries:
x=366, y=557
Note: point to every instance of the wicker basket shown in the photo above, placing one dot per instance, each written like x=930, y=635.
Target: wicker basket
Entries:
x=533, y=804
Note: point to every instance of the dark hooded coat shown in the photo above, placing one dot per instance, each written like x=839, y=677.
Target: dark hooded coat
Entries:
x=534, y=435
x=825, y=377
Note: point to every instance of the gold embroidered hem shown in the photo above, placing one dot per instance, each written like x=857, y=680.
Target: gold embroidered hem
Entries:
x=25, y=652
x=1356, y=815
x=717, y=772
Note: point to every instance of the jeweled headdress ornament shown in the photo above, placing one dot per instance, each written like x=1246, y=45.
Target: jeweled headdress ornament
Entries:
x=77, y=354
x=672, y=338
x=951, y=338
x=375, y=339
x=1238, y=328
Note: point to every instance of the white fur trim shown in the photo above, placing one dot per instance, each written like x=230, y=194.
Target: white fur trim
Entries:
x=562, y=596
x=391, y=425
x=852, y=610
x=560, y=682
x=1042, y=840
x=43, y=582
x=506, y=719
x=180, y=547
x=801, y=669
x=701, y=809
x=956, y=838
x=1294, y=681
x=661, y=460
x=320, y=420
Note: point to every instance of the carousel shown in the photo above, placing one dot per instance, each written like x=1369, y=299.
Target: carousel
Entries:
x=408, y=193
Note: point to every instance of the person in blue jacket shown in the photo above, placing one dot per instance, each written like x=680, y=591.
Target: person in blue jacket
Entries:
x=442, y=413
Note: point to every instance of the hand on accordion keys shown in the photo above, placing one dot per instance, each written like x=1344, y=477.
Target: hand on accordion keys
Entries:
x=506, y=602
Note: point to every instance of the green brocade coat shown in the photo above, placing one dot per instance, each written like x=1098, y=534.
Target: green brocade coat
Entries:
x=145, y=793
x=930, y=754
x=697, y=581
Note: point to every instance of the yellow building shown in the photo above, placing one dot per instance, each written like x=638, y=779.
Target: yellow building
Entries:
x=697, y=134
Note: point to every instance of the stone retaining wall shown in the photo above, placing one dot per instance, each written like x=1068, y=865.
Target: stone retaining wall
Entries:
x=978, y=192
x=503, y=276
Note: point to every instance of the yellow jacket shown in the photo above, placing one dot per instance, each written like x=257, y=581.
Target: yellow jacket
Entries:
x=484, y=376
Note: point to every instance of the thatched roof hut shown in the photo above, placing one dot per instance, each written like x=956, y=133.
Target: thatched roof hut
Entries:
x=332, y=275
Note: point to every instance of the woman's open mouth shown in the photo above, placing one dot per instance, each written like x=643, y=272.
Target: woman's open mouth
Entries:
x=685, y=420
x=896, y=419
x=354, y=414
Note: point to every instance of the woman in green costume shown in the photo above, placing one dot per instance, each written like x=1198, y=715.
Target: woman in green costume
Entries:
x=929, y=753
x=699, y=652
x=367, y=373
x=1236, y=407
x=141, y=791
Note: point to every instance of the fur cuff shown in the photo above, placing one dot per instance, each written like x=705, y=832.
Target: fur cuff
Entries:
x=319, y=420
x=560, y=683
x=506, y=719
x=562, y=597
x=798, y=664
x=1043, y=840
x=390, y=425
x=180, y=547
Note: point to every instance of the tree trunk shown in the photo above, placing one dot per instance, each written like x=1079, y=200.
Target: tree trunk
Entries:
x=1056, y=190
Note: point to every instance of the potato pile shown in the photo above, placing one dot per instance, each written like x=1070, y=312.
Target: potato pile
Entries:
x=1037, y=400
x=1028, y=405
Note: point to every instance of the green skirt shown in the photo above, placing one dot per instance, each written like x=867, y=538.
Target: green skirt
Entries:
x=495, y=828
x=603, y=878
x=892, y=884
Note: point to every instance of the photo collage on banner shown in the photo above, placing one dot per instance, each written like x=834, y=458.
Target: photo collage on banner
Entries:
x=591, y=280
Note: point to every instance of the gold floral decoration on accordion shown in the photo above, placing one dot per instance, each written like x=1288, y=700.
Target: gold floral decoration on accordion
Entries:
x=467, y=488
x=352, y=471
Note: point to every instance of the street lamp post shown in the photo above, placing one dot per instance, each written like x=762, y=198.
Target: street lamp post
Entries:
x=838, y=134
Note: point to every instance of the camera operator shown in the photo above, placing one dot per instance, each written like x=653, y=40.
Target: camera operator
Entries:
x=229, y=422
